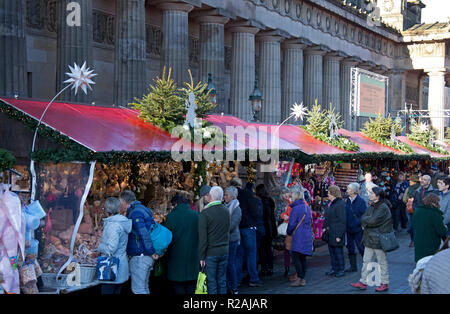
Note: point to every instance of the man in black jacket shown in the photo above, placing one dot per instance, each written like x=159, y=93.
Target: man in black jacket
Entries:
x=247, y=248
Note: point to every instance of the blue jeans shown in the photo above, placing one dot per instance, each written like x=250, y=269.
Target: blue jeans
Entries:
x=232, y=281
x=352, y=239
x=216, y=274
x=247, y=250
x=337, y=258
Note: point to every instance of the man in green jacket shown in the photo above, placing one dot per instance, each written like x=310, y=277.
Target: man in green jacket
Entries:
x=214, y=231
x=429, y=228
x=182, y=255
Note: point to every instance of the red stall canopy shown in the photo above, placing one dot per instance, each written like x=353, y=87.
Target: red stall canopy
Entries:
x=104, y=129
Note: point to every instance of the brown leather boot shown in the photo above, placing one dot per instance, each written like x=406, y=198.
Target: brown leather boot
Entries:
x=293, y=277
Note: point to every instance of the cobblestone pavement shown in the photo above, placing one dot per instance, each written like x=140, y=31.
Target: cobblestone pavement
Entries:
x=400, y=262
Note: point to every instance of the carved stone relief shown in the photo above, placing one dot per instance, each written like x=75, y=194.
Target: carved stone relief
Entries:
x=42, y=15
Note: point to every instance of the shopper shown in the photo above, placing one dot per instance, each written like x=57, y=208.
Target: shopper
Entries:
x=300, y=229
x=436, y=277
x=270, y=227
x=355, y=208
x=414, y=185
x=214, y=235
x=335, y=224
x=425, y=189
x=285, y=217
x=398, y=210
x=434, y=175
x=366, y=187
x=183, y=252
x=116, y=228
x=139, y=247
x=247, y=228
x=230, y=198
x=429, y=228
x=376, y=220
x=443, y=184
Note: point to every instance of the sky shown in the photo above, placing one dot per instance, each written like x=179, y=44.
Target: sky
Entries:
x=436, y=11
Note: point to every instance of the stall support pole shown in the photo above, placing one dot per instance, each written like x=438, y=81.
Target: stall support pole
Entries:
x=80, y=218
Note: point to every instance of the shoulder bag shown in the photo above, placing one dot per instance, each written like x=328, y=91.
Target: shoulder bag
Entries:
x=288, y=241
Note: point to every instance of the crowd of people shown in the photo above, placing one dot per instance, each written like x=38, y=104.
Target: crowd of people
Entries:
x=230, y=237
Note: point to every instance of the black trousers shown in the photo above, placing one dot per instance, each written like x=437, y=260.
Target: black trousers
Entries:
x=399, y=216
x=299, y=261
x=266, y=253
x=184, y=287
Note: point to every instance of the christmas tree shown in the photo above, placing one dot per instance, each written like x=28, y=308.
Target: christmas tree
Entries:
x=320, y=124
x=423, y=134
x=383, y=130
x=163, y=106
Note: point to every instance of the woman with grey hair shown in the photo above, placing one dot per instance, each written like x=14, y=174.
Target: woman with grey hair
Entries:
x=355, y=208
x=230, y=198
x=116, y=228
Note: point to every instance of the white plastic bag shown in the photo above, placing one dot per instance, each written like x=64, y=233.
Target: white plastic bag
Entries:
x=282, y=229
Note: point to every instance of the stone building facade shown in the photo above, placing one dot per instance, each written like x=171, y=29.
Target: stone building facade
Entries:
x=299, y=50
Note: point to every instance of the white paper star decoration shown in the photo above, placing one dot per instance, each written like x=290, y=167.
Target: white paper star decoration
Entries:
x=80, y=77
x=299, y=111
x=423, y=127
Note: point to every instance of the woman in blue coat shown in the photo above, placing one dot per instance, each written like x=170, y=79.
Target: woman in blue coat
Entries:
x=302, y=241
x=114, y=243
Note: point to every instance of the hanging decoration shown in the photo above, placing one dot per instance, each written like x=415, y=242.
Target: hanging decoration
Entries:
x=251, y=172
x=7, y=160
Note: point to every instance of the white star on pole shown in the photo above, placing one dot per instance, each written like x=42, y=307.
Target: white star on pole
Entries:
x=299, y=111
x=80, y=77
x=423, y=127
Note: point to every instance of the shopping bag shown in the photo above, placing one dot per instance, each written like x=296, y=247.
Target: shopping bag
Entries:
x=107, y=268
x=201, y=284
x=388, y=242
x=282, y=228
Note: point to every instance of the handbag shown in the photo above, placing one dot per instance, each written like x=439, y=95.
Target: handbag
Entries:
x=409, y=206
x=388, y=241
x=107, y=268
x=201, y=283
x=161, y=238
x=282, y=228
x=288, y=240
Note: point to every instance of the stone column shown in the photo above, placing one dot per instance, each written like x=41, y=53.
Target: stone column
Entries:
x=13, y=60
x=397, y=90
x=270, y=76
x=212, y=55
x=242, y=70
x=332, y=77
x=313, y=75
x=131, y=54
x=175, y=43
x=292, y=75
x=436, y=101
x=74, y=45
x=348, y=116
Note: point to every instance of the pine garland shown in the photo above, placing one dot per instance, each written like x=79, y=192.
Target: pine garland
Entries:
x=380, y=128
x=7, y=160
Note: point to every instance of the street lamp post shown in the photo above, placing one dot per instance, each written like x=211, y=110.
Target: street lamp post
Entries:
x=256, y=102
x=212, y=89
